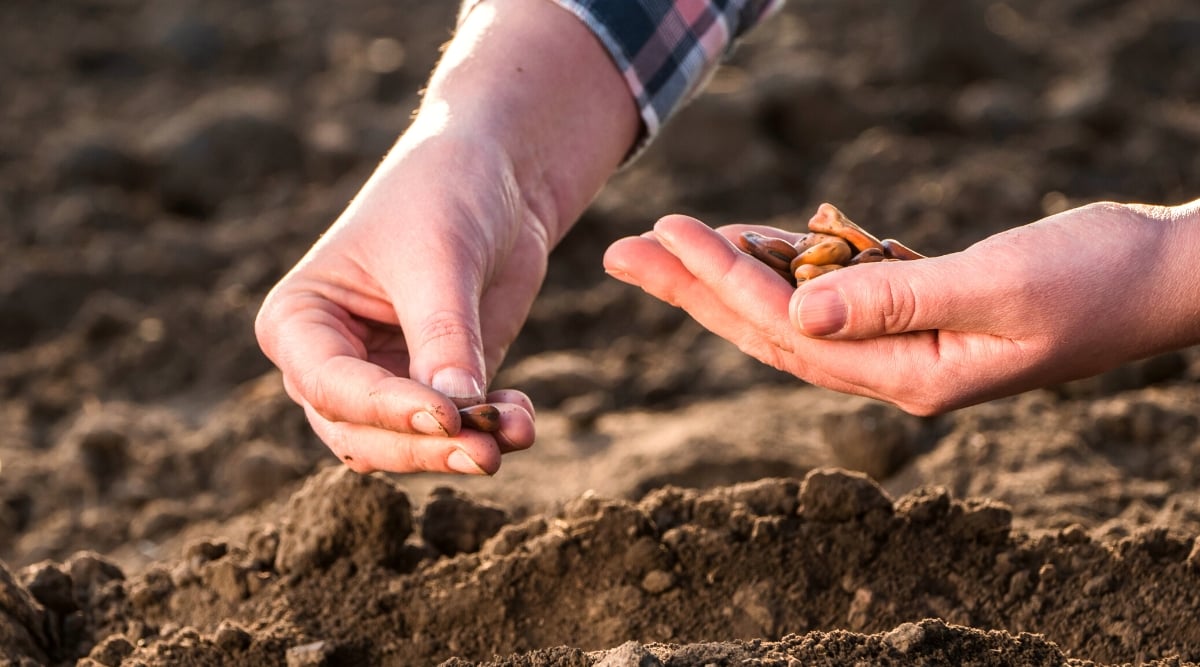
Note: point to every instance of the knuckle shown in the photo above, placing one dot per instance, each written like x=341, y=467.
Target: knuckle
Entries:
x=312, y=386
x=726, y=270
x=289, y=388
x=898, y=308
x=447, y=326
x=344, y=446
x=264, y=327
x=334, y=438
x=1106, y=207
x=418, y=459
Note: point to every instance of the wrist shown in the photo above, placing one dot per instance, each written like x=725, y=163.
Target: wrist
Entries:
x=529, y=79
x=1174, y=316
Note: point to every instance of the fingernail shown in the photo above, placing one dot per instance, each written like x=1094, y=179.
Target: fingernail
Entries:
x=664, y=240
x=619, y=275
x=458, y=461
x=458, y=384
x=425, y=422
x=822, y=312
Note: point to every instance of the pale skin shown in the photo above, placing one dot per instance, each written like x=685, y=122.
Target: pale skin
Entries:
x=406, y=306
x=435, y=264
x=1066, y=297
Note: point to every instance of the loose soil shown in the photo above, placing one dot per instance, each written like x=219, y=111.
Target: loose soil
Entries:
x=162, y=502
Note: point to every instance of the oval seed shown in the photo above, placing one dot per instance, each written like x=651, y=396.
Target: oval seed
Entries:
x=811, y=239
x=836, y=251
x=806, y=272
x=829, y=220
x=867, y=256
x=775, y=253
x=897, y=250
x=484, y=417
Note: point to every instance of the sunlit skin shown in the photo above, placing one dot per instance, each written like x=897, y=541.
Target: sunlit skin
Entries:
x=405, y=308
x=1069, y=296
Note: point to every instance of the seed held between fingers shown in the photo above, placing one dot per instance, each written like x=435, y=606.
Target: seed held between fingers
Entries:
x=484, y=417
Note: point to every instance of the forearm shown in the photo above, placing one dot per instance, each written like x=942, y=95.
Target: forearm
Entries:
x=528, y=79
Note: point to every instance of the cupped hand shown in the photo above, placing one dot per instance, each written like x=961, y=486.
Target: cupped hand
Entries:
x=1066, y=297
x=403, y=310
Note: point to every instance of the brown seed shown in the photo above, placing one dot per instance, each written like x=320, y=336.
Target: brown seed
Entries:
x=867, y=256
x=811, y=239
x=744, y=243
x=829, y=220
x=809, y=271
x=897, y=250
x=836, y=251
x=833, y=243
x=484, y=417
x=775, y=253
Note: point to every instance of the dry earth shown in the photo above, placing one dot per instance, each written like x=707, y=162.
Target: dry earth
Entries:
x=163, y=503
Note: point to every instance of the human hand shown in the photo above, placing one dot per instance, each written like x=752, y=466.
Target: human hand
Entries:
x=406, y=306
x=1069, y=296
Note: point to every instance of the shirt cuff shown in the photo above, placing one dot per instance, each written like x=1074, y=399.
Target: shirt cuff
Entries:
x=666, y=51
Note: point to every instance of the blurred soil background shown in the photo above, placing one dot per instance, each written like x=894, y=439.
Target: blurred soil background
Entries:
x=163, y=163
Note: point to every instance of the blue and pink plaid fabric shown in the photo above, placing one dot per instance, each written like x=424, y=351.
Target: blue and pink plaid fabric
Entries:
x=666, y=49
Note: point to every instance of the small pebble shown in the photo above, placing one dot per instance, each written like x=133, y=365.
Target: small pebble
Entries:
x=111, y=651
x=658, y=581
x=629, y=654
x=905, y=637
x=839, y=495
x=315, y=654
x=232, y=638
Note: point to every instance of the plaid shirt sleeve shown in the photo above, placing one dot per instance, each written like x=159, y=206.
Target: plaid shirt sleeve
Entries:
x=666, y=49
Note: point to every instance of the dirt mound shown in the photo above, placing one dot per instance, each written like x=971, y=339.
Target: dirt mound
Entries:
x=821, y=563
x=929, y=642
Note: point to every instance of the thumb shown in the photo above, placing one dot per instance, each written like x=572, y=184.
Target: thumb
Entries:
x=878, y=299
x=438, y=311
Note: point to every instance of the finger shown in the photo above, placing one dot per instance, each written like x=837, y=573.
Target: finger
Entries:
x=509, y=296
x=869, y=300
x=732, y=232
x=516, y=428
x=646, y=264
x=848, y=366
x=514, y=396
x=318, y=354
x=436, y=290
x=367, y=449
x=345, y=389
x=743, y=284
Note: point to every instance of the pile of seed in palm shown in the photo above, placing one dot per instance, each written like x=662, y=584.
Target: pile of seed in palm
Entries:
x=833, y=242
